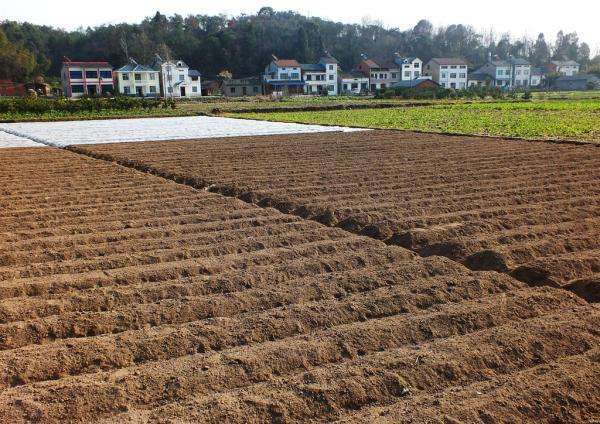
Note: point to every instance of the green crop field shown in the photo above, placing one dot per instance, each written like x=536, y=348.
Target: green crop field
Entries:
x=569, y=119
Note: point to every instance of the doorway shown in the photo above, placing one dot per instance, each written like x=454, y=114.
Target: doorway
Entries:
x=182, y=91
x=139, y=91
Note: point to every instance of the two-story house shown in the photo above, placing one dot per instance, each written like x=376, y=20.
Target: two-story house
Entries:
x=520, y=72
x=354, y=83
x=448, y=72
x=322, y=77
x=499, y=72
x=241, y=87
x=567, y=68
x=177, y=80
x=410, y=67
x=283, y=76
x=380, y=76
x=134, y=79
x=87, y=78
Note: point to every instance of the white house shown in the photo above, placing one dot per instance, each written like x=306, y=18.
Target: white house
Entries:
x=87, y=78
x=354, y=83
x=177, y=80
x=410, y=68
x=448, y=72
x=283, y=76
x=322, y=77
x=499, y=72
x=537, y=76
x=134, y=79
x=520, y=72
x=567, y=68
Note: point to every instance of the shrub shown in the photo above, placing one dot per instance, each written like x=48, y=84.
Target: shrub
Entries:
x=85, y=104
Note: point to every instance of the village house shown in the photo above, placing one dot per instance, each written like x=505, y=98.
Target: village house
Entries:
x=354, y=83
x=564, y=67
x=380, y=76
x=537, y=77
x=177, y=80
x=410, y=67
x=87, y=78
x=283, y=76
x=577, y=82
x=498, y=72
x=448, y=72
x=421, y=83
x=240, y=87
x=321, y=78
x=134, y=79
x=520, y=72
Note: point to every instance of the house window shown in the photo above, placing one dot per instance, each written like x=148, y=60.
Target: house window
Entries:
x=255, y=89
x=331, y=67
x=308, y=77
x=232, y=90
x=416, y=65
x=295, y=75
x=453, y=67
x=417, y=74
x=394, y=75
x=125, y=77
x=126, y=90
x=407, y=74
x=106, y=74
x=355, y=86
x=452, y=75
x=138, y=77
x=152, y=76
x=91, y=74
x=153, y=89
x=194, y=89
x=169, y=77
x=444, y=67
x=283, y=76
x=444, y=75
x=106, y=88
x=331, y=88
x=77, y=88
x=331, y=77
x=181, y=77
x=462, y=75
x=76, y=74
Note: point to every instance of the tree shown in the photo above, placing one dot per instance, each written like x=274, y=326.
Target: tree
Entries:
x=540, y=53
x=16, y=62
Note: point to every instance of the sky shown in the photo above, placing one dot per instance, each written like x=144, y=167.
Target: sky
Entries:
x=516, y=17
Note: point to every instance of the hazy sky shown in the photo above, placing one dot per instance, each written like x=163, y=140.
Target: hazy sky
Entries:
x=517, y=17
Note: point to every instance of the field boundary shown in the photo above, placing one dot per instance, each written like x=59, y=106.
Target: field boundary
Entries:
x=453, y=134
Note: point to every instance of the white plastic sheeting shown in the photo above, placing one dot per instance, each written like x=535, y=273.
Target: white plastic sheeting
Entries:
x=149, y=129
x=9, y=140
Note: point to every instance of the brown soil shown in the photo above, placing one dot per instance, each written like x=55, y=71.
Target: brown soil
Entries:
x=530, y=209
x=127, y=297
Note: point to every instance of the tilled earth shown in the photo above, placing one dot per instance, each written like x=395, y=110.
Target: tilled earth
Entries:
x=529, y=209
x=125, y=297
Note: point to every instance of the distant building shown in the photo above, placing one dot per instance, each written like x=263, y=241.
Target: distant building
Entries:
x=321, y=77
x=240, y=87
x=507, y=74
x=134, y=79
x=409, y=68
x=564, y=67
x=354, y=83
x=479, y=79
x=211, y=88
x=537, y=77
x=283, y=76
x=87, y=78
x=380, y=76
x=448, y=72
x=421, y=83
x=177, y=80
x=576, y=82
x=520, y=72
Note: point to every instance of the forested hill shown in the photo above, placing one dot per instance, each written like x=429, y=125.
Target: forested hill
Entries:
x=244, y=44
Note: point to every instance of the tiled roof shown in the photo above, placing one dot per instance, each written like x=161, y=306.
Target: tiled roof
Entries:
x=328, y=59
x=131, y=67
x=518, y=61
x=370, y=63
x=193, y=73
x=353, y=75
x=284, y=63
x=449, y=61
x=314, y=67
x=412, y=83
x=102, y=64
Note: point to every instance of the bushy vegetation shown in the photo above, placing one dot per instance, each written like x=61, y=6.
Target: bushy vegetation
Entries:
x=476, y=92
x=549, y=119
x=40, y=106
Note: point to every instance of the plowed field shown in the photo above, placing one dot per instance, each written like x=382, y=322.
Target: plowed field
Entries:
x=125, y=297
x=530, y=209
